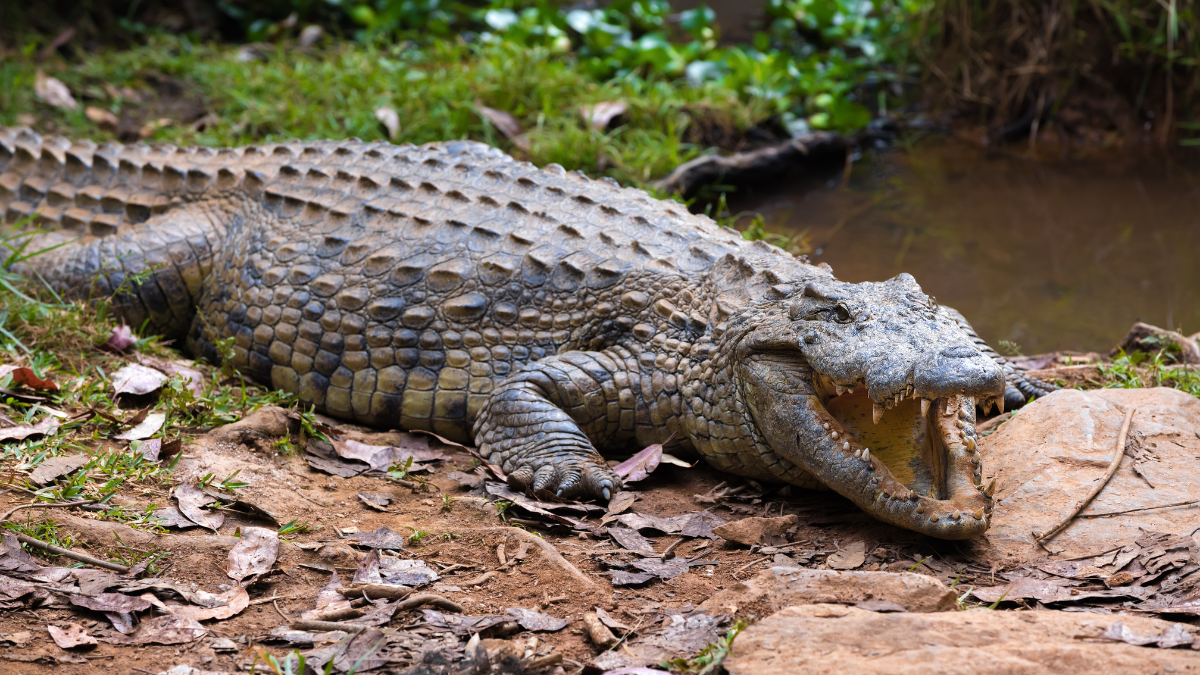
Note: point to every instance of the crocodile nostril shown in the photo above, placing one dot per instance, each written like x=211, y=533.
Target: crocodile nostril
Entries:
x=960, y=352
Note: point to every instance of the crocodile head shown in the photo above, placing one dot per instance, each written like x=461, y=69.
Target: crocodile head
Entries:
x=871, y=388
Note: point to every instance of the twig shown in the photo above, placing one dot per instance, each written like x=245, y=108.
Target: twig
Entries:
x=542, y=661
x=327, y=626
x=479, y=580
x=45, y=506
x=1144, y=508
x=375, y=591
x=50, y=548
x=275, y=604
x=428, y=599
x=1112, y=468
x=548, y=550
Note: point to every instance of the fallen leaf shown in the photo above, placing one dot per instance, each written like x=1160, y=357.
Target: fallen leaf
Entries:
x=630, y=539
x=368, y=570
x=850, y=557
x=107, y=122
x=170, y=516
x=668, y=458
x=193, y=378
x=376, y=500
x=13, y=558
x=92, y=582
x=664, y=569
x=137, y=379
x=254, y=554
x=110, y=602
x=611, y=622
x=26, y=377
x=145, y=429
x=618, y=504
x=411, y=573
x=191, y=502
x=382, y=457
x=623, y=578
x=329, y=599
x=122, y=623
x=71, y=636
x=600, y=115
x=751, y=531
x=537, y=621
x=506, y=123
x=149, y=449
x=390, y=119
x=233, y=602
x=47, y=427
x=383, y=537
x=643, y=463
x=169, y=629
x=51, y=90
x=11, y=589
x=49, y=470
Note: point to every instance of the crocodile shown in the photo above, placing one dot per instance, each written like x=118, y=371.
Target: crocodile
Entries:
x=537, y=313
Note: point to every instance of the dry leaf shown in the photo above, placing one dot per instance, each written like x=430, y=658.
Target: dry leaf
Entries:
x=329, y=599
x=599, y=116
x=102, y=118
x=171, y=517
x=52, y=468
x=751, y=531
x=506, y=123
x=145, y=429
x=850, y=557
x=390, y=119
x=72, y=636
x=52, y=91
x=537, y=621
x=643, y=463
x=191, y=504
x=177, y=368
x=382, y=538
x=254, y=554
x=169, y=629
x=232, y=601
x=411, y=573
x=137, y=379
x=22, y=376
x=376, y=500
x=111, y=602
x=47, y=427
x=122, y=337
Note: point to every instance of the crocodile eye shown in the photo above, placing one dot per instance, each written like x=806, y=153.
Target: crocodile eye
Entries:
x=841, y=314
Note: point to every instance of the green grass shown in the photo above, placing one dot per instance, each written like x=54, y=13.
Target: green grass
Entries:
x=335, y=94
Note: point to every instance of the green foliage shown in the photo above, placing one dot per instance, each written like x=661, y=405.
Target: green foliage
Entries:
x=1008, y=348
x=295, y=527
x=1151, y=369
x=710, y=658
x=797, y=244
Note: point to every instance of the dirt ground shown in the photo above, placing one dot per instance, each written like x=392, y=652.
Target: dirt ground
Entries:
x=462, y=532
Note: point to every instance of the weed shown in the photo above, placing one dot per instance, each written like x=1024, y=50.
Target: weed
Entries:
x=448, y=501
x=47, y=530
x=293, y=663
x=710, y=658
x=1157, y=369
x=1008, y=348
x=294, y=527
x=416, y=536
x=399, y=471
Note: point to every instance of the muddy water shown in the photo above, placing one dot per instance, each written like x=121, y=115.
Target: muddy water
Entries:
x=1063, y=255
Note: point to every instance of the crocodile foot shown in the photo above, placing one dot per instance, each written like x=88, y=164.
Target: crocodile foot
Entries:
x=567, y=475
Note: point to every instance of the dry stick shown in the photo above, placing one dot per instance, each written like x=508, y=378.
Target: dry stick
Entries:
x=548, y=549
x=375, y=591
x=45, y=506
x=328, y=626
x=428, y=599
x=50, y=548
x=1112, y=468
x=479, y=580
x=1144, y=508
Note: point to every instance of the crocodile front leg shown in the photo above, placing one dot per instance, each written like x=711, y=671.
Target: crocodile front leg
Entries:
x=539, y=425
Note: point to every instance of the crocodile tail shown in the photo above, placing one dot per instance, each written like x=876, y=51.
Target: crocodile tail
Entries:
x=1021, y=387
x=114, y=222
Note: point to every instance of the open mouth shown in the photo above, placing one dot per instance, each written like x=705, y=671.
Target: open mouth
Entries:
x=923, y=453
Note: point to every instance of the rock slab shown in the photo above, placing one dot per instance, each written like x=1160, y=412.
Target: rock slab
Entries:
x=1048, y=457
x=780, y=587
x=836, y=639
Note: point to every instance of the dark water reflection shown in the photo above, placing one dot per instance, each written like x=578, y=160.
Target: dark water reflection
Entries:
x=1050, y=256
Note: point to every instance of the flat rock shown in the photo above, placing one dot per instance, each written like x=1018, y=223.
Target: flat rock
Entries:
x=750, y=531
x=838, y=639
x=1048, y=457
x=781, y=587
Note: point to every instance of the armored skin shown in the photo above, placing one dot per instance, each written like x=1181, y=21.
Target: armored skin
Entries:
x=537, y=313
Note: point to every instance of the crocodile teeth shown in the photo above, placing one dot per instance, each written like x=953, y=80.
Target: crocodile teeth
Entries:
x=1000, y=404
x=876, y=412
x=985, y=405
x=991, y=488
x=925, y=407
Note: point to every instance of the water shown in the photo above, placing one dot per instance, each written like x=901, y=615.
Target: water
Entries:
x=1060, y=255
